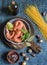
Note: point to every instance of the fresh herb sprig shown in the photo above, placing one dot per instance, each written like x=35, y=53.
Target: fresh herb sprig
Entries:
x=26, y=34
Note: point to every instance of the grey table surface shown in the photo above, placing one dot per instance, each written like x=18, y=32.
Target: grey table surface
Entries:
x=39, y=59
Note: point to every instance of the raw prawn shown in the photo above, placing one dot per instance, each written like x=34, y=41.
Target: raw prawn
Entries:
x=18, y=25
x=17, y=37
x=9, y=35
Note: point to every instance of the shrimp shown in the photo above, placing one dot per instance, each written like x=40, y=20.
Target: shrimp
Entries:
x=18, y=25
x=17, y=37
x=19, y=33
x=9, y=35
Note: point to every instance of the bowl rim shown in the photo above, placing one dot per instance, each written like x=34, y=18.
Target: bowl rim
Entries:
x=21, y=19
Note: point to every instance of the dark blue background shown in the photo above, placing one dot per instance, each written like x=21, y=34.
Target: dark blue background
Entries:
x=39, y=59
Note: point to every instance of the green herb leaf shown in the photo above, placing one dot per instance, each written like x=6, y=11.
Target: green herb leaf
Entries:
x=26, y=34
x=9, y=26
x=24, y=31
x=31, y=38
x=23, y=37
x=28, y=44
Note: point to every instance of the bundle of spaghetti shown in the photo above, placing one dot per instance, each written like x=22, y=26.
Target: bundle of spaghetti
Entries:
x=33, y=12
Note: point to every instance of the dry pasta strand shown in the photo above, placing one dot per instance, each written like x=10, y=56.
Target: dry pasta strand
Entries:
x=33, y=13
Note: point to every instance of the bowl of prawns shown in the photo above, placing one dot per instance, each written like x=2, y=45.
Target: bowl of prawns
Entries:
x=17, y=32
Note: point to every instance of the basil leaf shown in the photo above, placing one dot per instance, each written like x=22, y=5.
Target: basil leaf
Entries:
x=23, y=31
x=28, y=44
x=9, y=26
x=30, y=38
x=23, y=37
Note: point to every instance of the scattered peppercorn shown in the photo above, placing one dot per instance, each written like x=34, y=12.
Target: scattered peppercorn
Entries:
x=29, y=50
x=23, y=63
x=23, y=54
x=26, y=58
x=40, y=40
x=38, y=36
